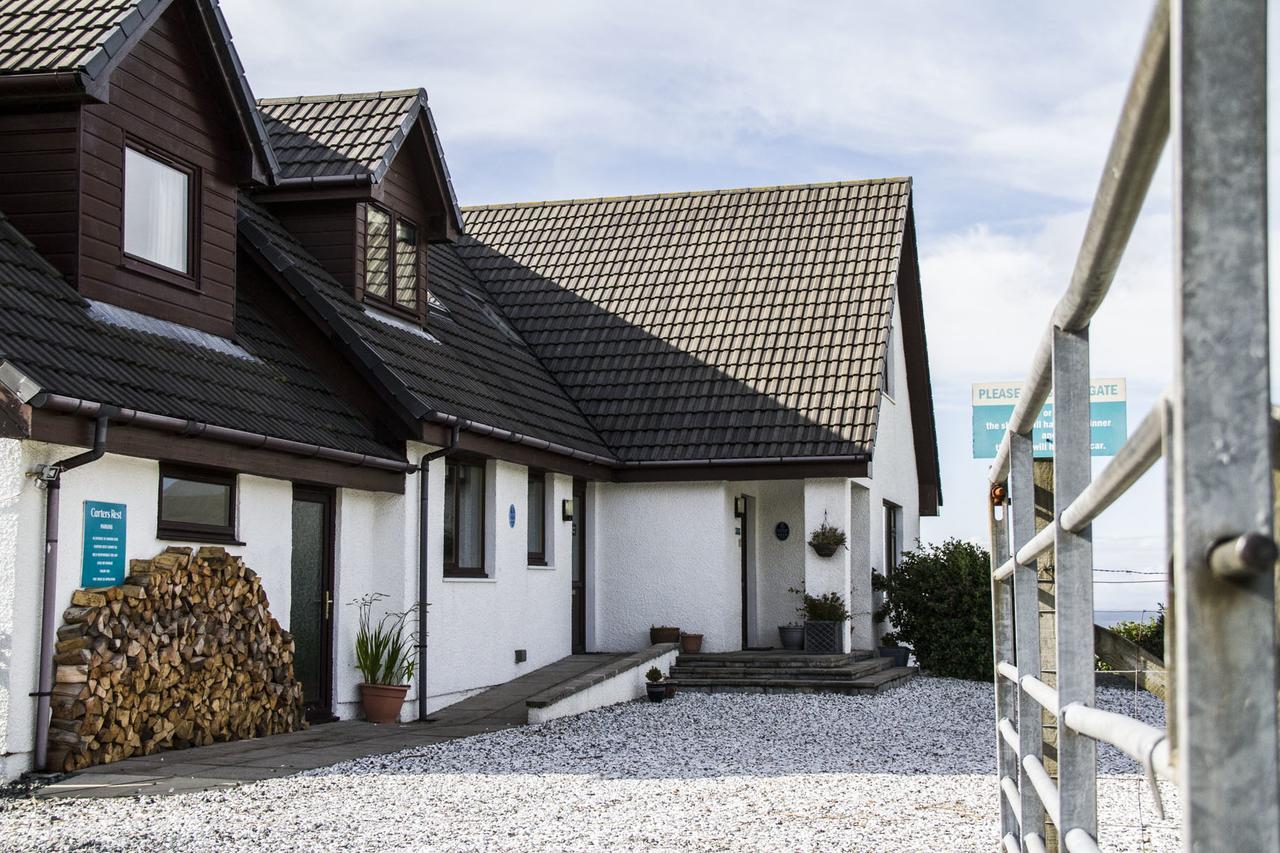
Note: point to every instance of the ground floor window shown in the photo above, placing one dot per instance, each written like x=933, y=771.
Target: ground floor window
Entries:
x=892, y=536
x=464, y=519
x=537, y=518
x=197, y=505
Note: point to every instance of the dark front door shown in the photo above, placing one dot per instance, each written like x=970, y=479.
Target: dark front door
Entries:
x=311, y=606
x=579, y=567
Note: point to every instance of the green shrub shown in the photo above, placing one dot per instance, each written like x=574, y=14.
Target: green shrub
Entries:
x=1149, y=634
x=386, y=651
x=654, y=675
x=939, y=601
x=828, y=607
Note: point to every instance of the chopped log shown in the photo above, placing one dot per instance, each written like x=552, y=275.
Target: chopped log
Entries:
x=184, y=653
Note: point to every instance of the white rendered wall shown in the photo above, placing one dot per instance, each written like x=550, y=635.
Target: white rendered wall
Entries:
x=894, y=464
x=828, y=500
x=476, y=625
x=778, y=565
x=665, y=554
x=626, y=686
x=261, y=504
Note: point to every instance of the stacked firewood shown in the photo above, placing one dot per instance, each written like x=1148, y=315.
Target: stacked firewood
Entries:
x=184, y=653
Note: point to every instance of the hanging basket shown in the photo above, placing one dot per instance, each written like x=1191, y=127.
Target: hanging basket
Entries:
x=824, y=549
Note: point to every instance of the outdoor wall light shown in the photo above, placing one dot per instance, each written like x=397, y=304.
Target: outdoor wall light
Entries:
x=566, y=509
x=740, y=507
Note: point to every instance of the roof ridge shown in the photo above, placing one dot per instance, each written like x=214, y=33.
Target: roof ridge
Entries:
x=342, y=96
x=689, y=193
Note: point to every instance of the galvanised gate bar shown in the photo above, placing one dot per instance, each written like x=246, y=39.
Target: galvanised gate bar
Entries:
x=1201, y=78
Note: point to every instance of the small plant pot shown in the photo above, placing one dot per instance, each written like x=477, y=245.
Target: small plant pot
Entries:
x=656, y=690
x=382, y=702
x=691, y=644
x=825, y=549
x=792, y=637
x=663, y=635
x=898, y=654
x=823, y=638
x=671, y=689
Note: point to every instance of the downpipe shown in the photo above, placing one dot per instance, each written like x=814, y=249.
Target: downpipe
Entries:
x=424, y=553
x=50, y=477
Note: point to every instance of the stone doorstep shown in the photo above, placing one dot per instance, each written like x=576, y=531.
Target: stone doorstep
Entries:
x=602, y=673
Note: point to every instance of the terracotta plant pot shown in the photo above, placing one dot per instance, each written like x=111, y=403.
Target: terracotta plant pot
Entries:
x=663, y=635
x=382, y=702
x=656, y=690
x=691, y=644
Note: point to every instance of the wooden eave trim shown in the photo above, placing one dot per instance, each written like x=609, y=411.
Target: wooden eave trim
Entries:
x=790, y=470
x=919, y=384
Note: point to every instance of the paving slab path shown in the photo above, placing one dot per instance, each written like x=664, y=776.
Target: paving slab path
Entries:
x=231, y=763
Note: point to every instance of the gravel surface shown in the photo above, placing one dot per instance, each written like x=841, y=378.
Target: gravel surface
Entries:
x=904, y=770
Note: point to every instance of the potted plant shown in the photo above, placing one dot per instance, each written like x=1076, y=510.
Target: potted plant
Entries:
x=825, y=540
x=663, y=634
x=792, y=636
x=691, y=644
x=386, y=658
x=654, y=687
x=824, y=620
x=889, y=648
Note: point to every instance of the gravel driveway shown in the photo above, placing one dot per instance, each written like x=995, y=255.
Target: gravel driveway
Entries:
x=904, y=770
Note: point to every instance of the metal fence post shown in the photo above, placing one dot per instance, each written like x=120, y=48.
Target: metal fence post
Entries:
x=1026, y=615
x=1225, y=700
x=1073, y=589
x=1002, y=626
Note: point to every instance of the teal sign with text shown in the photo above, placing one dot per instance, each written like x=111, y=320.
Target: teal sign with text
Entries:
x=104, y=543
x=993, y=404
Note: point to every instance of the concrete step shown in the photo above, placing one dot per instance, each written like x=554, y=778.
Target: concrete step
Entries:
x=869, y=684
x=845, y=673
x=773, y=659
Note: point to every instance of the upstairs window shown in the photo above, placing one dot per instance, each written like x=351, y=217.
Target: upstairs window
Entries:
x=196, y=505
x=464, y=519
x=157, y=211
x=390, y=259
x=887, y=376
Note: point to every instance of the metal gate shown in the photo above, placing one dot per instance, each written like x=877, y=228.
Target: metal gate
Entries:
x=1200, y=80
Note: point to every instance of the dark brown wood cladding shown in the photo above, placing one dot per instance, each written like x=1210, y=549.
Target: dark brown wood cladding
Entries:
x=327, y=229
x=148, y=444
x=39, y=156
x=164, y=97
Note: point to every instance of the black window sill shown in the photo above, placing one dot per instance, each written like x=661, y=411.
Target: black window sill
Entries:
x=537, y=560
x=167, y=535
x=466, y=574
x=395, y=309
x=159, y=273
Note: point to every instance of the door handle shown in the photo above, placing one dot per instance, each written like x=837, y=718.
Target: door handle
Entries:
x=328, y=605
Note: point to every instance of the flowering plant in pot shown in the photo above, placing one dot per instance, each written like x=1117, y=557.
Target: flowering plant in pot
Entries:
x=826, y=539
x=824, y=620
x=386, y=657
x=656, y=690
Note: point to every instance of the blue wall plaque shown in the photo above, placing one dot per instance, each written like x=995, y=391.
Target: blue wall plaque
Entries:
x=104, y=544
x=511, y=516
x=782, y=531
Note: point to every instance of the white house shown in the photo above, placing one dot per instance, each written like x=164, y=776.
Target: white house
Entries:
x=558, y=424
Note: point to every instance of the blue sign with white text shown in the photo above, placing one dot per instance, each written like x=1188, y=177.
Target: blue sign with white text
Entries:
x=104, y=544
x=994, y=402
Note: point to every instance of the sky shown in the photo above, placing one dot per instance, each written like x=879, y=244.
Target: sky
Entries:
x=1001, y=114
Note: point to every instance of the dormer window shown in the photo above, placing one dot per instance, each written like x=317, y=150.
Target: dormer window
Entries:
x=391, y=259
x=157, y=211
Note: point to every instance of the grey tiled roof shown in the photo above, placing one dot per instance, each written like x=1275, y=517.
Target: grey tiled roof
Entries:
x=734, y=324
x=98, y=353
x=463, y=365
x=66, y=35
x=339, y=135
